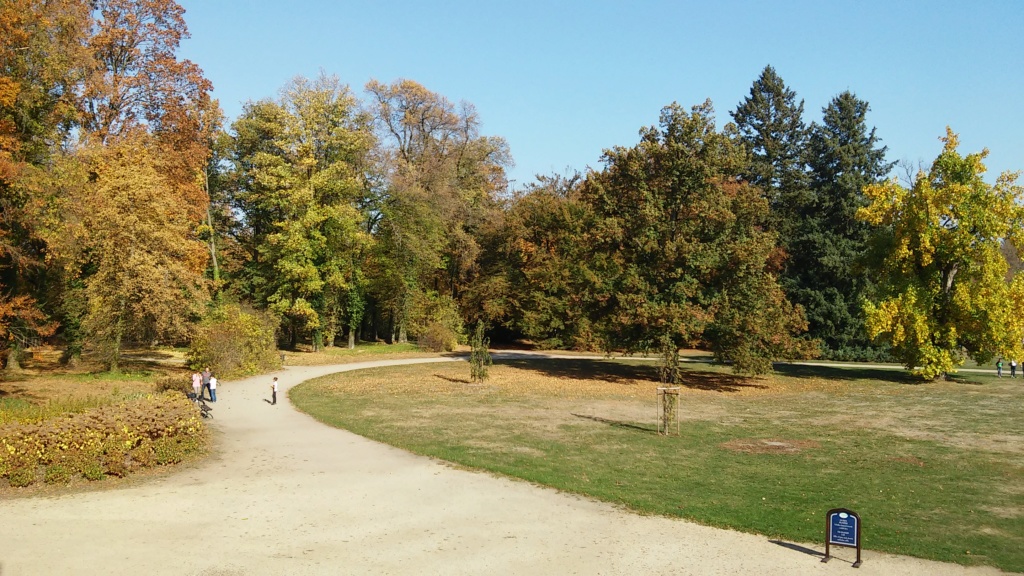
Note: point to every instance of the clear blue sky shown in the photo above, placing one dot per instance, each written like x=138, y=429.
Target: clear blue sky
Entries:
x=562, y=81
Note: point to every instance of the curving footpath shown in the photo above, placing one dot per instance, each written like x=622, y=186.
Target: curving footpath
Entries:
x=284, y=494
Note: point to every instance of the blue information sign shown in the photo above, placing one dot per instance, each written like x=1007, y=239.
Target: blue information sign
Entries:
x=842, y=529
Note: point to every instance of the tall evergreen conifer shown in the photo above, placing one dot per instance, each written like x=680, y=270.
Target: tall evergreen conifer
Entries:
x=824, y=272
x=770, y=124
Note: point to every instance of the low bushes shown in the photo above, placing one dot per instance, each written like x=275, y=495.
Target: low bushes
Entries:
x=438, y=338
x=111, y=440
x=235, y=342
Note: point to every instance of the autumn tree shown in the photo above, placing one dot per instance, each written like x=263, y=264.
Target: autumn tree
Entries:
x=530, y=277
x=441, y=179
x=679, y=250
x=942, y=287
x=42, y=60
x=137, y=102
x=139, y=248
x=299, y=166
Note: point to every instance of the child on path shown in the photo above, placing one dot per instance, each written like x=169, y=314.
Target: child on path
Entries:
x=197, y=383
x=273, y=392
x=213, y=388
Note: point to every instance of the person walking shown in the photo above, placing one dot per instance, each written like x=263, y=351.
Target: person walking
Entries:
x=213, y=388
x=206, y=375
x=197, y=384
x=1013, y=368
x=999, y=368
x=273, y=392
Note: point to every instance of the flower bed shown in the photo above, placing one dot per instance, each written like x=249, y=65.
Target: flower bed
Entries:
x=111, y=440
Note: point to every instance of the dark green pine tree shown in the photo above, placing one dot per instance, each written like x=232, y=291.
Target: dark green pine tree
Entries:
x=824, y=272
x=770, y=124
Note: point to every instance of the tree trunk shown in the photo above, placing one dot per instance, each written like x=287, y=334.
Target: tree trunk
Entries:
x=114, y=362
x=213, y=243
x=13, y=365
x=351, y=337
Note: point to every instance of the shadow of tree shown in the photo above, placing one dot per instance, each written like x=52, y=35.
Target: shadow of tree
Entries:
x=453, y=380
x=618, y=423
x=717, y=381
x=584, y=368
x=695, y=378
x=9, y=391
x=851, y=372
x=629, y=374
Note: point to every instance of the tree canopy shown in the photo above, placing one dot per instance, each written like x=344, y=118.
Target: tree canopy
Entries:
x=132, y=212
x=942, y=287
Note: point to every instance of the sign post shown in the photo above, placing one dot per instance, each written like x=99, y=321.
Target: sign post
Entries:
x=842, y=528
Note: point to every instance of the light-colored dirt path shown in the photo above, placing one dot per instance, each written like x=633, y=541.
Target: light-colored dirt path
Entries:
x=288, y=495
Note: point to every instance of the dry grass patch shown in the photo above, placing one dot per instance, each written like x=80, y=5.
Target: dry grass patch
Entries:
x=769, y=445
x=304, y=355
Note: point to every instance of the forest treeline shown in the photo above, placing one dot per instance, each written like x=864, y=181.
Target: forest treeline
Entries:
x=132, y=212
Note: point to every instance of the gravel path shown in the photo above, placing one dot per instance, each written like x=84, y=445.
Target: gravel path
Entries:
x=285, y=495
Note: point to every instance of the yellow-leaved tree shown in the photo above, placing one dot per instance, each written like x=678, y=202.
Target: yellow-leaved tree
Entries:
x=137, y=240
x=942, y=292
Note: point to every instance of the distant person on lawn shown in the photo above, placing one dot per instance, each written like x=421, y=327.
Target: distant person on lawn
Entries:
x=273, y=392
x=999, y=368
x=1013, y=368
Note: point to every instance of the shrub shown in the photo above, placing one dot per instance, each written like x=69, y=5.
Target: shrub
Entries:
x=22, y=476
x=177, y=383
x=143, y=454
x=435, y=322
x=169, y=451
x=92, y=470
x=112, y=440
x=57, y=474
x=115, y=464
x=235, y=342
x=438, y=338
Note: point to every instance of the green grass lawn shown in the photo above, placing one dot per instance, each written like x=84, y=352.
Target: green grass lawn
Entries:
x=935, y=470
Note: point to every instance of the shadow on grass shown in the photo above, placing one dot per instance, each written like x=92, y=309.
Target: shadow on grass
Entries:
x=898, y=376
x=589, y=369
x=617, y=423
x=717, y=381
x=16, y=393
x=629, y=374
x=453, y=380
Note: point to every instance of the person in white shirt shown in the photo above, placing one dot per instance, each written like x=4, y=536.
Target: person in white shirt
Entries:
x=273, y=391
x=213, y=388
